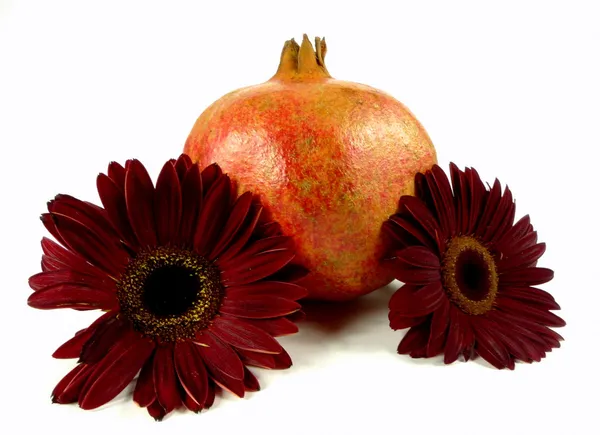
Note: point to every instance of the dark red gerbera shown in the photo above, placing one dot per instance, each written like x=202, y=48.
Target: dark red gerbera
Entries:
x=194, y=284
x=469, y=274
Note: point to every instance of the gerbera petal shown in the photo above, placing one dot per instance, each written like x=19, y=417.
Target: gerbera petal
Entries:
x=406, y=231
x=267, y=288
x=419, y=301
x=190, y=403
x=282, y=360
x=460, y=336
x=72, y=296
x=104, y=253
x=210, y=175
x=414, y=340
x=418, y=256
x=489, y=210
x=182, y=165
x=530, y=295
x=104, y=337
x=212, y=216
x=256, y=359
x=113, y=200
x=145, y=393
x=167, y=204
x=519, y=260
x=528, y=330
x=274, y=327
x=220, y=356
x=242, y=237
x=477, y=198
x=242, y=335
x=139, y=197
x=528, y=311
x=50, y=225
x=516, y=232
x=250, y=381
x=191, y=199
x=439, y=328
x=256, y=267
x=441, y=193
x=526, y=277
x=461, y=198
x=237, y=216
x=259, y=307
x=415, y=275
x=115, y=371
x=72, y=347
x=491, y=348
x=165, y=378
x=43, y=280
x=398, y=321
x=69, y=388
x=423, y=216
x=156, y=411
x=501, y=219
x=191, y=371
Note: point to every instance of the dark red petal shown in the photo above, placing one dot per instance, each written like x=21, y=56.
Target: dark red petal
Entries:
x=282, y=360
x=250, y=381
x=460, y=336
x=530, y=312
x=439, y=329
x=167, y=205
x=212, y=216
x=190, y=403
x=89, y=215
x=490, y=209
x=415, y=275
x=418, y=301
x=259, y=307
x=268, y=244
x=409, y=232
x=267, y=288
x=515, y=233
x=156, y=411
x=191, y=371
x=491, y=348
x=519, y=260
x=145, y=393
x=425, y=218
x=501, y=219
x=116, y=173
x=72, y=348
x=461, y=198
x=418, y=256
x=65, y=381
x=242, y=237
x=256, y=268
x=527, y=330
x=139, y=197
x=69, y=388
x=165, y=378
x=242, y=335
x=237, y=216
x=415, y=339
x=220, y=356
x=113, y=200
x=43, y=280
x=526, y=277
x=477, y=195
x=115, y=371
x=72, y=296
x=182, y=165
x=397, y=321
x=191, y=201
x=210, y=398
x=530, y=295
x=210, y=175
x=263, y=360
x=104, y=253
x=441, y=194
x=50, y=225
x=103, y=339
x=290, y=273
x=275, y=327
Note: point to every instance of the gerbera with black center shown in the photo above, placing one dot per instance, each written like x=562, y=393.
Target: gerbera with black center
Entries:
x=469, y=272
x=195, y=285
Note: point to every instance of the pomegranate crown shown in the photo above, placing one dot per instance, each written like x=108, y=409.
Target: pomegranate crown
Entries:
x=301, y=62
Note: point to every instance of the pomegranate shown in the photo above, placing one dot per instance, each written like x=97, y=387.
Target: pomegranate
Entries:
x=329, y=159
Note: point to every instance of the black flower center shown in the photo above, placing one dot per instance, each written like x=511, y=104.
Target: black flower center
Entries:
x=169, y=293
x=470, y=276
x=171, y=290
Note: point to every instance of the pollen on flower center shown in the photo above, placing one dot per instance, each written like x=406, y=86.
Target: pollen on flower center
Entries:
x=169, y=293
x=470, y=276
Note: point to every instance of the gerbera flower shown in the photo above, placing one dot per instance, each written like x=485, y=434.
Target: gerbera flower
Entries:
x=194, y=285
x=469, y=274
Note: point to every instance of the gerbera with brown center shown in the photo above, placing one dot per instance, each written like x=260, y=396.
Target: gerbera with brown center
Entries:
x=469, y=274
x=195, y=285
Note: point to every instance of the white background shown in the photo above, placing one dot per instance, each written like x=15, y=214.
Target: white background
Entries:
x=511, y=88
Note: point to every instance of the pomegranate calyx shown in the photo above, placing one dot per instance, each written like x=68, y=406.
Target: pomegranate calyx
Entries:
x=302, y=62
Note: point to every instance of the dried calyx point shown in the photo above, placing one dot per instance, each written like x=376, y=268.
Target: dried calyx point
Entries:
x=303, y=61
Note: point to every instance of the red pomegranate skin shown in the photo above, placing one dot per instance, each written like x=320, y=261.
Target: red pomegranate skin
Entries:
x=329, y=160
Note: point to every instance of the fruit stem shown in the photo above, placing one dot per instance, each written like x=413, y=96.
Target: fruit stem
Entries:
x=301, y=62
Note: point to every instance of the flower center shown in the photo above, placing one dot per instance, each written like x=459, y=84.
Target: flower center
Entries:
x=169, y=293
x=469, y=274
